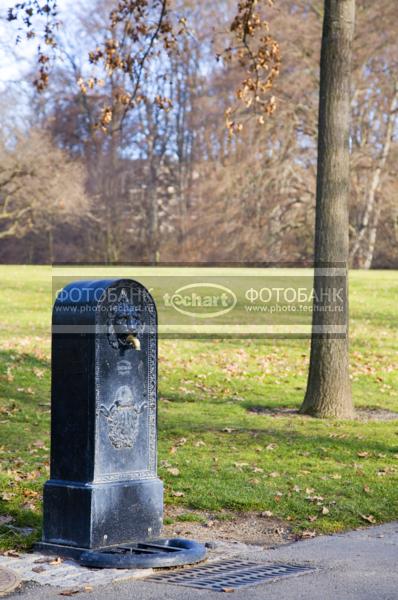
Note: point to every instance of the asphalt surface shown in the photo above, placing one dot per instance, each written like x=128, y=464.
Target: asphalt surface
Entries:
x=360, y=565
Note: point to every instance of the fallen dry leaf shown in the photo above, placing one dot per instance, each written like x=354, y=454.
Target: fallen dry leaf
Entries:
x=314, y=498
x=38, y=569
x=38, y=372
x=30, y=494
x=6, y=496
x=271, y=446
x=368, y=518
x=5, y=519
x=177, y=494
x=50, y=560
x=173, y=471
x=325, y=511
x=240, y=465
x=29, y=506
x=209, y=524
x=306, y=534
x=266, y=513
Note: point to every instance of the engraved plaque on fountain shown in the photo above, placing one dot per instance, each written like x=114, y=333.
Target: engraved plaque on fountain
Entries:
x=126, y=388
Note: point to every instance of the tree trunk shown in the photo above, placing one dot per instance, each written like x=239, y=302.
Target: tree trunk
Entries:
x=328, y=388
x=368, y=258
x=371, y=204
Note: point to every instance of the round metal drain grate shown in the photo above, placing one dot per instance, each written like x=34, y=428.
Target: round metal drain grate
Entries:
x=159, y=553
x=8, y=581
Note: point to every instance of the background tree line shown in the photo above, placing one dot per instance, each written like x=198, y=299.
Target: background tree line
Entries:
x=166, y=185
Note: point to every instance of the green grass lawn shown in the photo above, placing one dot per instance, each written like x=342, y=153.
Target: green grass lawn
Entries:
x=227, y=441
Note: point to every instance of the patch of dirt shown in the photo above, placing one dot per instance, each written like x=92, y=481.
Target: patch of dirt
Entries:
x=274, y=412
x=375, y=414
x=248, y=528
x=361, y=414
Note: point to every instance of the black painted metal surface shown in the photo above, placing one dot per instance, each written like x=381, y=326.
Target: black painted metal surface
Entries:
x=230, y=575
x=103, y=489
x=159, y=553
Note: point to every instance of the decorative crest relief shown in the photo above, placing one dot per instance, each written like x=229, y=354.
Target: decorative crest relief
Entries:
x=123, y=418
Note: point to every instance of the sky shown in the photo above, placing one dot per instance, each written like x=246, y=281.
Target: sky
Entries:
x=16, y=60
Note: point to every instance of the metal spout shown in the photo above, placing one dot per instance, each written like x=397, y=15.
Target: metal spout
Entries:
x=134, y=341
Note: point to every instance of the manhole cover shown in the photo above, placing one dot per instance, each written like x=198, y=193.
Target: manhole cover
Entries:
x=8, y=581
x=230, y=575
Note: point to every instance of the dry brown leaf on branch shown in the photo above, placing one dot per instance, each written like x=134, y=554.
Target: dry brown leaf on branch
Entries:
x=257, y=53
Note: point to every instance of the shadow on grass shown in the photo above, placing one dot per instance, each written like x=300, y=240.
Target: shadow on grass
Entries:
x=22, y=358
x=305, y=441
x=284, y=410
x=19, y=377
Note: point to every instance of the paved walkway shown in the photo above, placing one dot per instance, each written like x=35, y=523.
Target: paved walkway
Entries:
x=361, y=565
